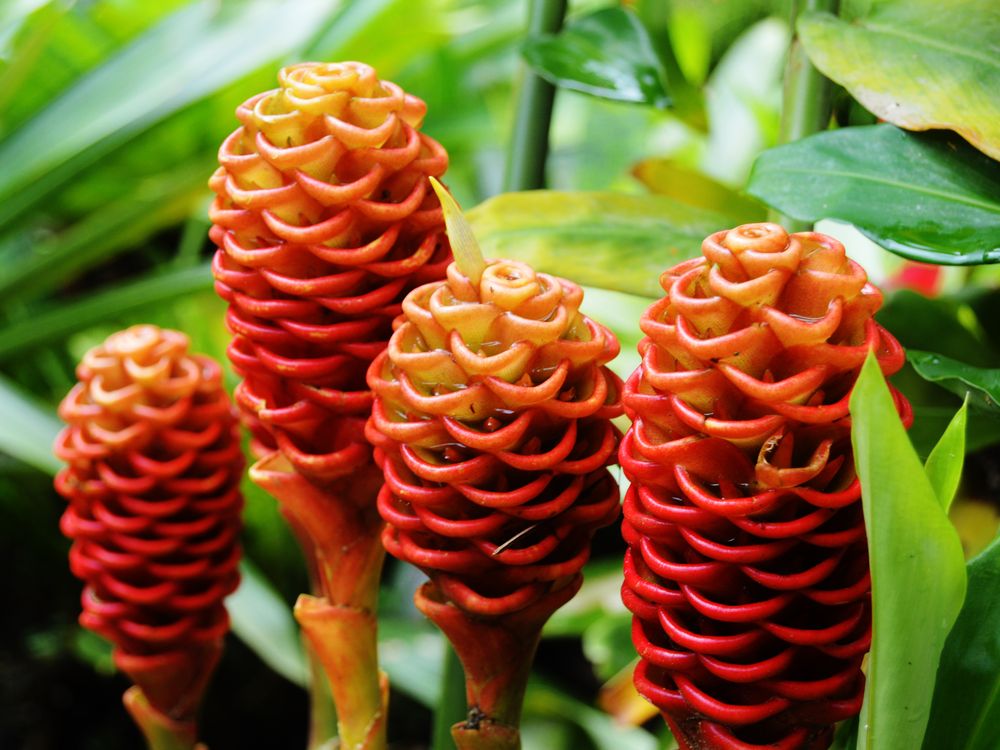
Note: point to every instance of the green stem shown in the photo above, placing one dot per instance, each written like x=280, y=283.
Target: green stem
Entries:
x=322, y=713
x=529, y=143
x=451, y=701
x=807, y=92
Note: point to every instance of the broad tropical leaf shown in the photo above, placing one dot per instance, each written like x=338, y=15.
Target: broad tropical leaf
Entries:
x=605, y=240
x=607, y=54
x=918, y=64
x=981, y=384
x=965, y=714
x=929, y=197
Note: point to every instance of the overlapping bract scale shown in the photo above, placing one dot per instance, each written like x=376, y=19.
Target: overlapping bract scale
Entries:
x=491, y=424
x=324, y=220
x=747, y=569
x=152, y=479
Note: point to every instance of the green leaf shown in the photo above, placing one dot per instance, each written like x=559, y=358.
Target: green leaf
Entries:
x=928, y=197
x=605, y=240
x=101, y=305
x=965, y=714
x=952, y=324
x=27, y=429
x=206, y=46
x=944, y=464
x=917, y=568
x=101, y=234
x=414, y=28
x=980, y=384
x=265, y=623
x=670, y=178
x=918, y=64
x=607, y=54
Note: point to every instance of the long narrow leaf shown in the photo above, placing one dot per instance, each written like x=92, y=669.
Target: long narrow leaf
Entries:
x=187, y=56
x=917, y=568
x=101, y=234
x=101, y=305
x=27, y=430
x=944, y=464
x=265, y=623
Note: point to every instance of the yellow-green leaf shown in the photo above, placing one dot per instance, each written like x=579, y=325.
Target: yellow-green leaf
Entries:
x=919, y=64
x=605, y=240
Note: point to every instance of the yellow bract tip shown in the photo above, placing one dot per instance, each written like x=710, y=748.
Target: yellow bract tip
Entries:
x=465, y=248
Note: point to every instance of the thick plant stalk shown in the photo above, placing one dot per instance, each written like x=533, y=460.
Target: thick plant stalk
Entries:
x=341, y=529
x=806, y=95
x=747, y=569
x=152, y=479
x=324, y=220
x=492, y=425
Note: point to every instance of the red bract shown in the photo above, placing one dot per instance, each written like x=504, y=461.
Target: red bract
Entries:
x=492, y=425
x=324, y=219
x=154, y=465
x=747, y=568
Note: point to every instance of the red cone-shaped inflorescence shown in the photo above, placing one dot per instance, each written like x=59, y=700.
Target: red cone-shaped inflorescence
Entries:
x=747, y=568
x=492, y=426
x=154, y=465
x=324, y=220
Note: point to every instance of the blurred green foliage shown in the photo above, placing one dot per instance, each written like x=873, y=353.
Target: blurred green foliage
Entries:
x=111, y=112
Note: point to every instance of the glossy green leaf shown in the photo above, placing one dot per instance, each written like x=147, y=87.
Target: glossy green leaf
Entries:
x=944, y=464
x=951, y=323
x=917, y=568
x=27, y=429
x=207, y=48
x=607, y=54
x=265, y=623
x=965, y=714
x=605, y=240
x=917, y=63
x=929, y=197
x=981, y=384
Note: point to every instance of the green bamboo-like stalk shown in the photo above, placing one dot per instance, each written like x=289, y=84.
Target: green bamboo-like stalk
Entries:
x=529, y=143
x=805, y=105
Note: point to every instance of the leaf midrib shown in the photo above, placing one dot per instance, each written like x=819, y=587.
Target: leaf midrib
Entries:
x=990, y=207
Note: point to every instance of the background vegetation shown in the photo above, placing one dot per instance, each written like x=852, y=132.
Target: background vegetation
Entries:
x=110, y=115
